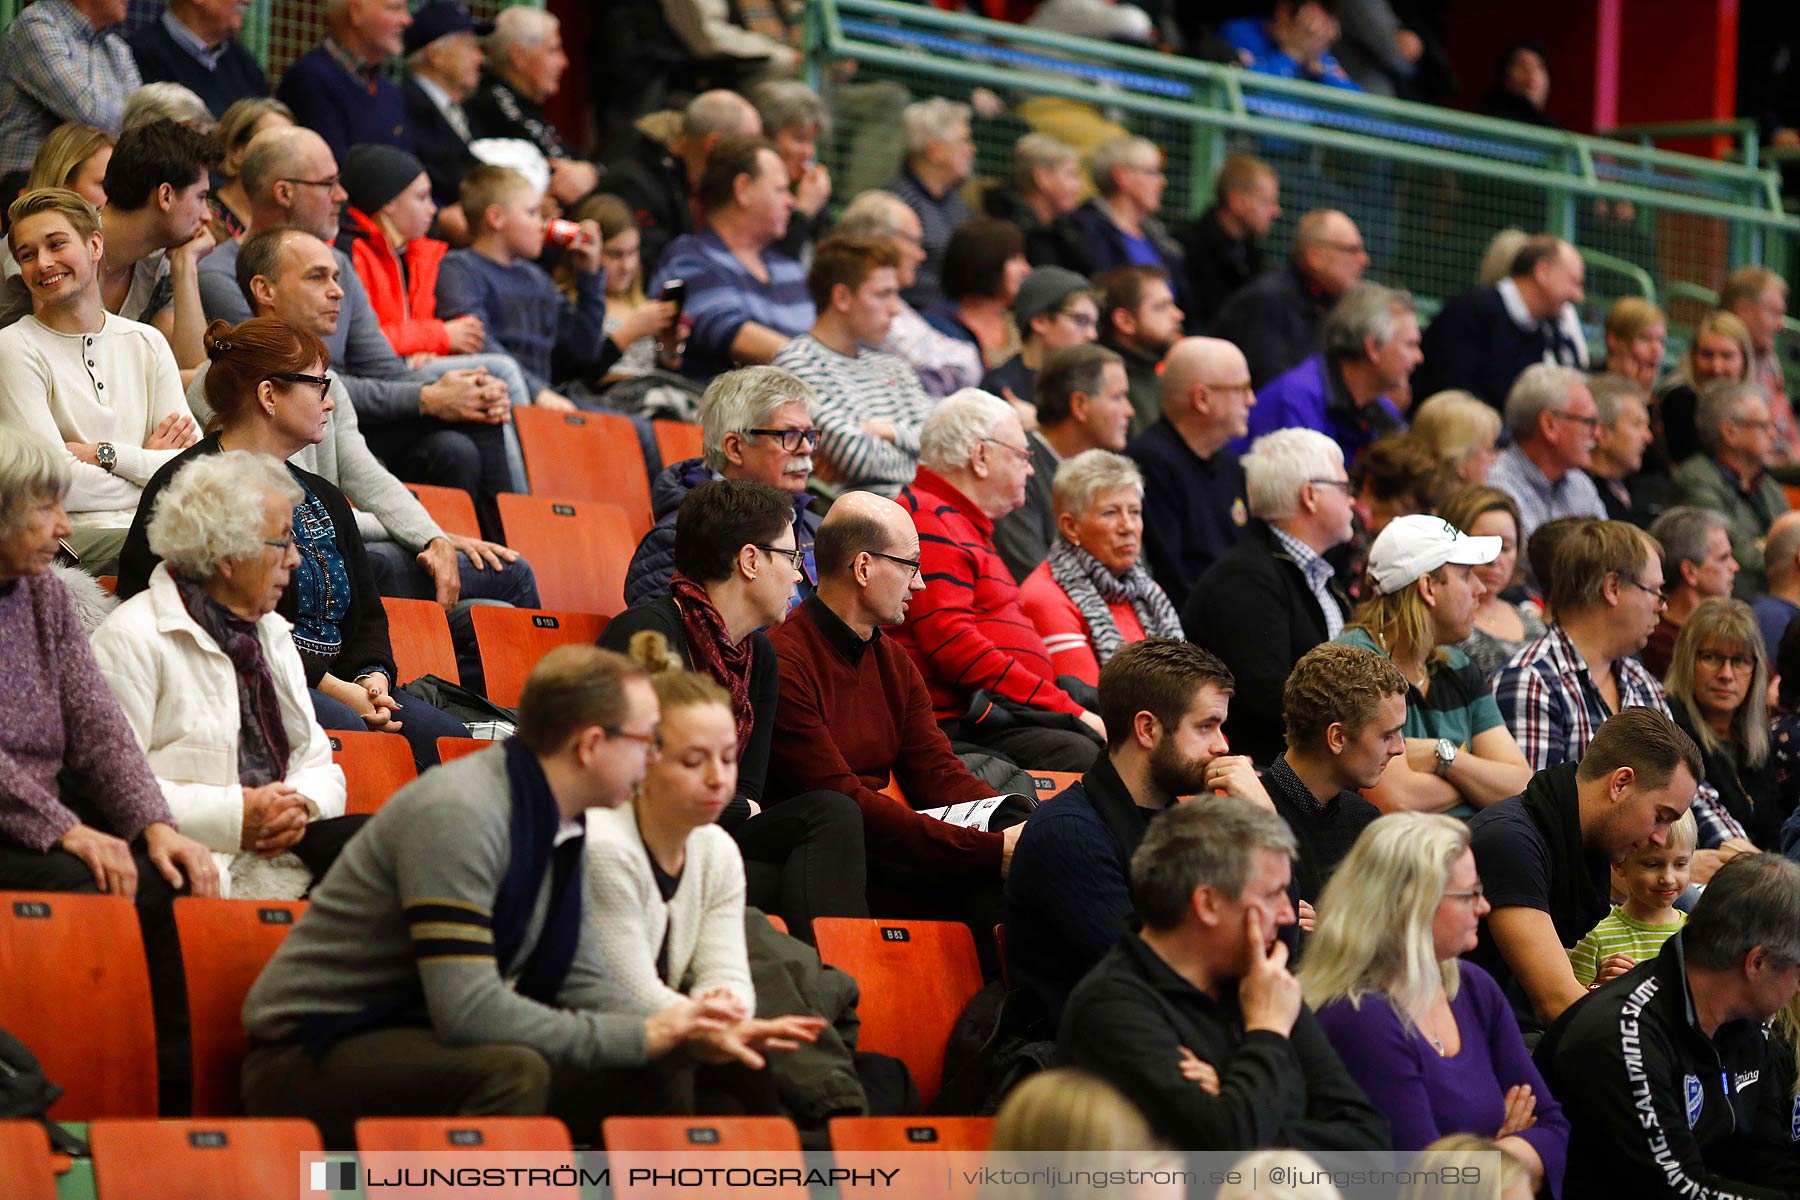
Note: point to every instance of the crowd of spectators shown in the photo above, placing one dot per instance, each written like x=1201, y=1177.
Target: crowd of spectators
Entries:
x=1428, y=656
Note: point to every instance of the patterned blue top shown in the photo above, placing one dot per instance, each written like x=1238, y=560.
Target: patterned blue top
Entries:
x=321, y=583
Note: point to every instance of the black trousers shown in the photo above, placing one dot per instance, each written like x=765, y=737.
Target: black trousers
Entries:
x=804, y=858
x=459, y=455
x=1029, y=747
x=27, y=870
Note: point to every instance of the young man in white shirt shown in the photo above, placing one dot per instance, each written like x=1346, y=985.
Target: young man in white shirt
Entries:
x=101, y=389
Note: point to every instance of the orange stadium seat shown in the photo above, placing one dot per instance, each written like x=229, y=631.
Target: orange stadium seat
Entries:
x=586, y=456
x=224, y=946
x=450, y=748
x=375, y=765
x=86, y=1012
x=580, y=550
x=426, y=1134
x=678, y=440
x=25, y=1161
x=681, y=1139
x=218, y=1159
x=451, y=508
x=915, y=977
x=420, y=633
x=511, y=640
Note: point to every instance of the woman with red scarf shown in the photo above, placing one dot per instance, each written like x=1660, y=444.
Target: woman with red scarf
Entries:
x=735, y=571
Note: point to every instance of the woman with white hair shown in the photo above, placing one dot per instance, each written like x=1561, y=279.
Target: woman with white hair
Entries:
x=1093, y=595
x=1431, y=1039
x=212, y=685
x=79, y=809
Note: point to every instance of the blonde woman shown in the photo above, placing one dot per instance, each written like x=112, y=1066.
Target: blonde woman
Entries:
x=1637, y=338
x=1457, y=1150
x=1430, y=1039
x=1500, y=629
x=1422, y=596
x=1462, y=432
x=1069, y=1110
x=666, y=892
x=1718, y=686
x=1719, y=349
x=74, y=156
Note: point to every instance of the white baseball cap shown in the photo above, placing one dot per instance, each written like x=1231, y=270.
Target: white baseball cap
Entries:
x=1418, y=545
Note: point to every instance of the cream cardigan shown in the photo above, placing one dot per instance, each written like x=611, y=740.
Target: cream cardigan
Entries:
x=704, y=922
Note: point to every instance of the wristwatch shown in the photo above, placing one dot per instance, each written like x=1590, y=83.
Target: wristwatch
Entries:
x=106, y=456
x=1446, y=754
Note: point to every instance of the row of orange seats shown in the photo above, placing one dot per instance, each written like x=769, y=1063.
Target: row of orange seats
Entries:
x=79, y=995
x=258, y=1159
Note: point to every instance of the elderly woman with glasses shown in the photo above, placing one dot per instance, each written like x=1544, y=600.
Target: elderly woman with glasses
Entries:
x=269, y=394
x=1718, y=686
x=736, y=566
x=1429, y=1038
x=1094, y=595
x=212, y=683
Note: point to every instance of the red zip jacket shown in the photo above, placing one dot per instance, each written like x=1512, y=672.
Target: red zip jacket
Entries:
x=405, y=302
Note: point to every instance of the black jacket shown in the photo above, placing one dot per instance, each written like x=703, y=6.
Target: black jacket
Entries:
x=1274, y=319
x=1128, y=1020
x=1749, y=793
x=1217, y=265
x=1103, y=243
x=364, y=627
x=1474, y=344
x=753, y=765
x=1057, y=244
x=1656, y=1107
x=1253, y=609
x=161, y=59
x=446, y=156
x=653, y=184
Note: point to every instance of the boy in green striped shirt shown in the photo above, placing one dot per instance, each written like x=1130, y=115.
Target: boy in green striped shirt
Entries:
x=1651, y=879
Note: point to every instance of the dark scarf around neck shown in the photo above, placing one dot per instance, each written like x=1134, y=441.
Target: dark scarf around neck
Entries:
x=710, y=648
x=262, y=737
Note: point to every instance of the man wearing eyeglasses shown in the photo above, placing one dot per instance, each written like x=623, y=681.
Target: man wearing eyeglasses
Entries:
x=991, y=680
x=1697, y=565
x=755, y=424
x=1275, y=317
x=1730, y=474
x=1119, y=227
x=1554, y=424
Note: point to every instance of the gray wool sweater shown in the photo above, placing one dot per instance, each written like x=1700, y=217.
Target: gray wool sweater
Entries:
x=385, y=510
x=441, y=841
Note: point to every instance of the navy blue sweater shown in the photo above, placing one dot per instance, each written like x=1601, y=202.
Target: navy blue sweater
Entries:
x=342, y=108
x=526, y=317
x=1194, y=508
x=160, y=59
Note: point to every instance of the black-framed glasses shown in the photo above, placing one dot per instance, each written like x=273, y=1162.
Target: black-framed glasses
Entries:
x=1712, y=660
x=1336, y=483
x=1662, y=597
x=322, y=382
x=796, y=555
x=1023, y=454
x=791, y=439
x=324, y=183
x=911, y=564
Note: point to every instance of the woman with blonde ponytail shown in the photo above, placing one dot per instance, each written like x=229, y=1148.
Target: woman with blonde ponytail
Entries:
x=666, y=890
x=1430, y=1039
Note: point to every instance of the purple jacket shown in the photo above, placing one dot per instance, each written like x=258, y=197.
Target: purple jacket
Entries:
x=1313, y=396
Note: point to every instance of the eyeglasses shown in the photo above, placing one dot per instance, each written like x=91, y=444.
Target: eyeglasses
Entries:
x=322, y=382
x=281, y=544
x=1336, y=483
x=911, y=564
x=1344, y=247
x=1760, y=426
x=1712, y=660
x=327, y=184
x=1662, y=597
x=1241, y=386
x=797, y=556
x=1023, y=454
x=791, y=439
x=1079, y=320
x=1592, y=424
x=1473, y=897
x=647, y=740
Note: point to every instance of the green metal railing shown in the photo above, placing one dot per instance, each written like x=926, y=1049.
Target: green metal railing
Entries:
x=1429, y=187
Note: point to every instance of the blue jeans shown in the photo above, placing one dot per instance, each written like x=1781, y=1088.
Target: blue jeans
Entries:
x=420, y=724
x=505, y=368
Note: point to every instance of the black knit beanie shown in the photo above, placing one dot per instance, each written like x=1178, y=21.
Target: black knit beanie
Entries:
x=374, y=175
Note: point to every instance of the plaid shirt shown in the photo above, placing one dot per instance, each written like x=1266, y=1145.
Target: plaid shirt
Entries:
x=944, y=364
x=1553, y=707
x=56, y=67
x=1539, y=500
x=1318, y=574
